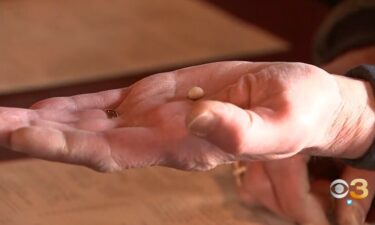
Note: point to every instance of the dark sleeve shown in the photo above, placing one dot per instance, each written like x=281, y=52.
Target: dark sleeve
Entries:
x=350, y=25
x=364, y=72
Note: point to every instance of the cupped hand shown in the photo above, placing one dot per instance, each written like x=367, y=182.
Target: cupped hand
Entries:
x=250, y=111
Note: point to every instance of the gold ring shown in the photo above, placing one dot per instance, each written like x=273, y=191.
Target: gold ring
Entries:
x=111, y=113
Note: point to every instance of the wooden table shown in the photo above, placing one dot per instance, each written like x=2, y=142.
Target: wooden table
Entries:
x=46, y=43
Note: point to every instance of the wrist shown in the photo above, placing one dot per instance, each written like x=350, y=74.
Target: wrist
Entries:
x=352, y=132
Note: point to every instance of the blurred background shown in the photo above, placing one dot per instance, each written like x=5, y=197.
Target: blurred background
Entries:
x=53, y=48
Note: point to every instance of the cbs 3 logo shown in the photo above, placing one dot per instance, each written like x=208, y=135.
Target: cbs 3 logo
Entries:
x=357, y=189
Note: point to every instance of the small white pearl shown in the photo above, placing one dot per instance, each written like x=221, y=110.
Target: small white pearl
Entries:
x=195, y=93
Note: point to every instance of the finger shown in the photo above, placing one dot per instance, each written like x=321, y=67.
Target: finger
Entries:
x=96, y=124
x=175, y=85
x=99, y=100
x=62, y=116
x=357, y=212
x=250, y=89
x=97, y=150
x=257, y=189
x=90, y=120
x=223, y=73
x=292, y=188
x=237, y=93
x=256, y=134
x=67, y=116
x=12, y=119
x=77, y=147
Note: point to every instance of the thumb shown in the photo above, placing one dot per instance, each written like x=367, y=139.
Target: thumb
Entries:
x=255, y=133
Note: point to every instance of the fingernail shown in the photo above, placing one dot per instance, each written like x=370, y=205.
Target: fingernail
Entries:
x=202, y=124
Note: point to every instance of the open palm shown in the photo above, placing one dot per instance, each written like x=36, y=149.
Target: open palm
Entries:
x=151, y=127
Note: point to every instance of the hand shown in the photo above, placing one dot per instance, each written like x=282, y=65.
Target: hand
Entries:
x=286, y=108
x=150, y=129
x=285, y=188
x=251, y=110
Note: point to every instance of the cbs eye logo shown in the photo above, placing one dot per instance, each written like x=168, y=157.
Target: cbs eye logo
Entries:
x=357, y=189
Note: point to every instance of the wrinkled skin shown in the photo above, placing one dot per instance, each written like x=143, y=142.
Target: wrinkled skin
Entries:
x=284, y=186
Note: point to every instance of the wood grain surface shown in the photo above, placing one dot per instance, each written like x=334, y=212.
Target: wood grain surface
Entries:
x=35, y=192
